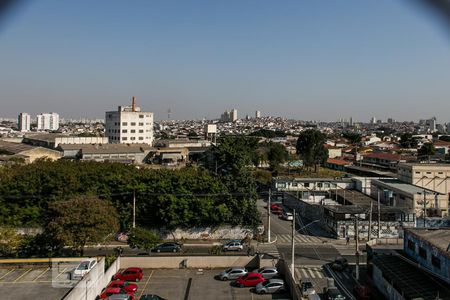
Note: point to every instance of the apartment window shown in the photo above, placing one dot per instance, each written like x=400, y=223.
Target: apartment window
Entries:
x=306, y=184
x=124, y=131
x=133, y=123
x=294, y=184
x=141, y=131
x=319, y=184
x=417, y=172
x=133, y=131
x=327, y=185
x=411, y=246
x=428, y=172
x=141, y=138
x=141, y=116
x=141, y=124
x=124, y=138
x=124, y=123
x=435, y=261
x=132, y=138
x=422, y=253
x=440, y=173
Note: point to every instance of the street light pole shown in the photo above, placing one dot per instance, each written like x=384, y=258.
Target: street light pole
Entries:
x=268, y=217
x=134, y=209
x=357, y=247
x=379, y=217
x=424, y=207
x=293, y=246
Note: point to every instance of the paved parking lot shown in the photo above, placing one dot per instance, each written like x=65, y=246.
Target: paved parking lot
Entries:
x=42, y=282
x=194, y=285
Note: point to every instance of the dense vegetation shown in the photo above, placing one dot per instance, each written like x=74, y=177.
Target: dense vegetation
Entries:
x=310, y=147
x=180, y=198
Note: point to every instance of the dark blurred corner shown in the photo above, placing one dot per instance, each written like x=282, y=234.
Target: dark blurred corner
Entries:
x=439, y=9
x=7, y=10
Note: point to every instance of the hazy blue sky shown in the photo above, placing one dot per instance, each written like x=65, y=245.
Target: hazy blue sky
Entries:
x=298, y=59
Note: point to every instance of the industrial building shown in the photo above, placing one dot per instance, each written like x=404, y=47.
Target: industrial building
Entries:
x=129, y=125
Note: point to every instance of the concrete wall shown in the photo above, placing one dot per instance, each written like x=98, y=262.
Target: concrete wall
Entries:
x=221, y=233
x=385, y=287
x=291, y=285
x=174, y=262
x=91, y=285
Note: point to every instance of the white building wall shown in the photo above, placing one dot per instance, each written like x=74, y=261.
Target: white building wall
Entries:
x=24, y=122
x=128, y=127
x=48, y=121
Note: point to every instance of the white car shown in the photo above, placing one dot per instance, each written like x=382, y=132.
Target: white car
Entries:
x=233, y=246
x=287, y=216
x=83, y=268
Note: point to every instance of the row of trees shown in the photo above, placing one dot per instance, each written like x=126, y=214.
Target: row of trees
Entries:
x=180, y=198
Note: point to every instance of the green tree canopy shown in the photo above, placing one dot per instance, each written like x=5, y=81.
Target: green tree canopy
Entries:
x=353, y=137
x=143, y=238
x=10, y=241
x=310, y=147
x=82, y=220
x=267, y=133
x=426, y=150
x=408, y=141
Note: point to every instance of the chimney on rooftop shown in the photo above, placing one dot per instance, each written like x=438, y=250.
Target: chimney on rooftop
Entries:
x=133, y=104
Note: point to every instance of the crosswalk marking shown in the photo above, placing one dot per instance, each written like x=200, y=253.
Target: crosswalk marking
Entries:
x=312, y=273
x=298, y=238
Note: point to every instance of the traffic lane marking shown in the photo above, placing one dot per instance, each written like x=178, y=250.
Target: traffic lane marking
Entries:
x=40, y=275
x=62, y=272
x=23, y=274
x=146, y=283
x=6, y=274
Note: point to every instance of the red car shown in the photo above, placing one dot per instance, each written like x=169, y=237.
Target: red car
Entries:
x=113, y=291
x=250, y=279
x=361, y=292
x=129, y=287
x=129, y=274
x=276, y=209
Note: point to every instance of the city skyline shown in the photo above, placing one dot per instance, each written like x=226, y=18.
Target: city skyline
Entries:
x=306, y=61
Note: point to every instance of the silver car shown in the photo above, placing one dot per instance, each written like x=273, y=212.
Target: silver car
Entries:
x=267, y=272
x=233, y=273
x=270, y=286
x=233, y=246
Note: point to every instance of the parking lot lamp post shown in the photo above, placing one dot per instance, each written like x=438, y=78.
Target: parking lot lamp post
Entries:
x=268, y=217
x=293, y=246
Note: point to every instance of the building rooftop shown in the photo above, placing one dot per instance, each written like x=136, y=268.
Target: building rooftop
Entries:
x=403, y=186
x=440, y=238
x=410, y=281
x=107, y=148
x=14, y=148
x=300, y=179
x=48, y=137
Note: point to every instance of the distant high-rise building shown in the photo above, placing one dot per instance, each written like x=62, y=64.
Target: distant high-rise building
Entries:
x=48, y=121
x=129, y=125
x=229, y=116
x=373, y=120
x=431, y=124
x=390, y=121
x=257, y=114
x=23, y=122
x=234, y=115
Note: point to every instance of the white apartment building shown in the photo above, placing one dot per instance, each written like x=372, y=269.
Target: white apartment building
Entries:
x=129, y=125
x=257, y=114
x=48, y=121
x=24, y=122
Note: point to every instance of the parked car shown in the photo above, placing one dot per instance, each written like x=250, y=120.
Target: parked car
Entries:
x=107, y=292
x=83, y=268
x=233, y=246
x=267, y=272
x=270, y=286
x=306, y=287
x=249, y=279
x=339, y=264
x=130, y=274
x=287, y=216
x=361, y=292
x=120, y=297
x=151, y=297
x=127, y=286
x=232, y=273
x=167, y=247
x=334, y=294
x=276, y=209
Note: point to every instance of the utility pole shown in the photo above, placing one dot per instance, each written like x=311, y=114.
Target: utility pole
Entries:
x=357, y=247
x=134, y=209
x=268, y=217
x=370, y=223
x=379, y=216
x=293, y=245
x=424, y=208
